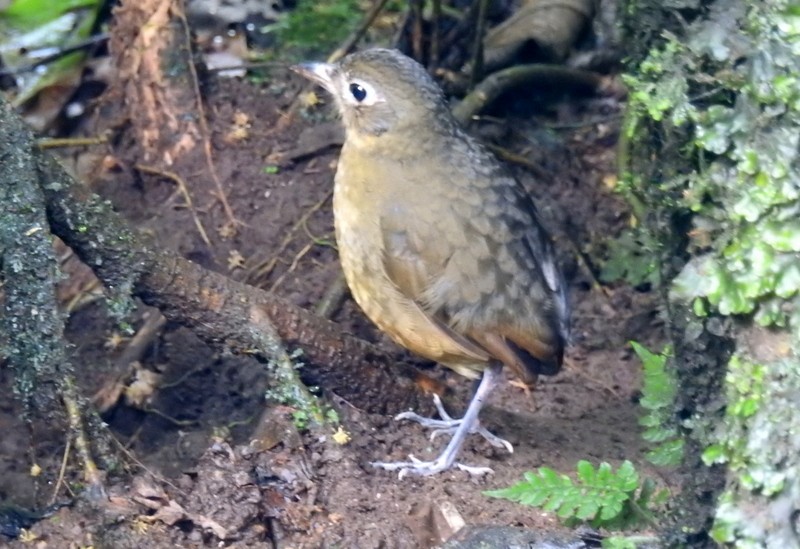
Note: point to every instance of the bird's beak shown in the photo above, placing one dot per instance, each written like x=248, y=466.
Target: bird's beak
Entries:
x=321, y=73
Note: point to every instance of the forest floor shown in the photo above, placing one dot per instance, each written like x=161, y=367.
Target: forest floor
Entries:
x=190, y=474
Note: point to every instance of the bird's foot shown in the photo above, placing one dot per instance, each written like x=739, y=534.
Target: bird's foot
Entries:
x=460, y=429
x=425, y=468
x=448, y=425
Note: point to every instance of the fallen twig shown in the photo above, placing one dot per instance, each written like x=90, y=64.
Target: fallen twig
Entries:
x=332, y=298
x=204, y=131
x=60, y=142
x=108, y=395
x=62, y=470
x=514, y=158
x=91, y=474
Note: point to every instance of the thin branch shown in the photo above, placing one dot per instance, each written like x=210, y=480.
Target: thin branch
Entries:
x=263, y=268
x=91, y=474
x=353, y=39
x=477, y=46
x=108, y=395
x=59, y=142
x=436, y=19
x=206, y=133
x=416, y=31
x=332, y=298
x=62, y=470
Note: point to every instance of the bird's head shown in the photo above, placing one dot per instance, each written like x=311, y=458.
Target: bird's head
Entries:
x=378, y=91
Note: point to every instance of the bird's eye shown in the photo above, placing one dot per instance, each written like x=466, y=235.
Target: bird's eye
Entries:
x=358, y=91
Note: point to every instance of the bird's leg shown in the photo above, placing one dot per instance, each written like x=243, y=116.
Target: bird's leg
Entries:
x=459, y=428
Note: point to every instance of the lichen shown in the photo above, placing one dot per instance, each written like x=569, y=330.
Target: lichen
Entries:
x=31, y=322
x=286, y=387
x=118, y=283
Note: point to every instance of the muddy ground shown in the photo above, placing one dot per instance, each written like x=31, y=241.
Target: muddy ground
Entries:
x=190, y=478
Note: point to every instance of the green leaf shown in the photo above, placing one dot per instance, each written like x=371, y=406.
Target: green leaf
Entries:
x=611, y=509
x=30, y=14
x=618, y=542
x=658, y=395
x=661, y=432
x=28, y=25
x=667, y=454
x=627, y=476
x=588, y=508
x=586, y=472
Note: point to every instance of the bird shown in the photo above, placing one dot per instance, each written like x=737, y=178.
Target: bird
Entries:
x=440, y=246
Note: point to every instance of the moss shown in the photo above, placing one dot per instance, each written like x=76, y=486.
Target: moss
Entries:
x=759, y=441
x=315, y=27
x=287, y=388
x=745, y=193
x=718, y=103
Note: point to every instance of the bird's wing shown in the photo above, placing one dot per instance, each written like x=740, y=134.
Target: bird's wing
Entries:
x=412, y=258
x=447, y=270
x=535, y=345
x=540, y=247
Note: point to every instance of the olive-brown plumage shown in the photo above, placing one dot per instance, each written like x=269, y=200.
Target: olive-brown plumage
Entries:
x=440, y=246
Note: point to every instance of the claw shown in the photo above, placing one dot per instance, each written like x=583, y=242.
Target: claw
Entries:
x=425, y=468
x=437, y=402
x=476, y=471
x=459, y=428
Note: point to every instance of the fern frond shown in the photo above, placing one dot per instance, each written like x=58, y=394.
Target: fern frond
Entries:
x=598, y=495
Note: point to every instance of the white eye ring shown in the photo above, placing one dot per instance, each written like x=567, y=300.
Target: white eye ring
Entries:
x=358, y=92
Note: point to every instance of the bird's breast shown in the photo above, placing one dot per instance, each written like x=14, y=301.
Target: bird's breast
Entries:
x=356, y=211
